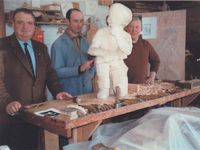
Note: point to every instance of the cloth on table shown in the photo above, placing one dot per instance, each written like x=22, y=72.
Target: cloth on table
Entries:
x=166, y=128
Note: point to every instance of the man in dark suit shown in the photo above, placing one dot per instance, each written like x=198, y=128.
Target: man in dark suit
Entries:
x=25, y=71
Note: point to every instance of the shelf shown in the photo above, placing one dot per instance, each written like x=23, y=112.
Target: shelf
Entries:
x=44, y=17
x=43, y=10
x=50, y=23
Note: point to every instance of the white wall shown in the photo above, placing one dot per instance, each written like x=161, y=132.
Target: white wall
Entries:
x=90, y=8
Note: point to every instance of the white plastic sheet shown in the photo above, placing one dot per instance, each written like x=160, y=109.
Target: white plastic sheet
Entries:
x=164, y=128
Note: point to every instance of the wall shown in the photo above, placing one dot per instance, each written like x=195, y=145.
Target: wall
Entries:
x=193, y=31
x=90, y=8
x=170, y=43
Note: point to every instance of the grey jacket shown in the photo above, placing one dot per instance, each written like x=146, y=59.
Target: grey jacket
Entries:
x=66, y=59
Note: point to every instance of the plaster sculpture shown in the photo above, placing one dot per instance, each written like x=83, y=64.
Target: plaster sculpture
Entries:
x=110, y=46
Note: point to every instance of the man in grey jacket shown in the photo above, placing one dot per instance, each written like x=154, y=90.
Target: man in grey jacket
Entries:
x=70, y=58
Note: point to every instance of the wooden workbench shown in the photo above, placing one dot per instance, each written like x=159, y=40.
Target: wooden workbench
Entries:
x=82, y=128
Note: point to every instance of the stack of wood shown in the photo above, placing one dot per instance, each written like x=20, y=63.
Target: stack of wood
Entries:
x=144, y=89
x=189, y=84
x=105, y=2
x=92, y=29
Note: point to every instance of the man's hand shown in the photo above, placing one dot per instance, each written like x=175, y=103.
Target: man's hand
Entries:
x=151, y=79
x=86, y=66
x=63, y=95
x=13, y=107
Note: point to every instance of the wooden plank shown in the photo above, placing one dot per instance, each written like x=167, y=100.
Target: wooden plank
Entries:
x=82, y=128
x=2, y=22
x=59, y=125
x=75, y=5
x=188, y=84
x=51, y=124
x=185, y=101
x=83, y=133
x=130, y=108
x=49, y=141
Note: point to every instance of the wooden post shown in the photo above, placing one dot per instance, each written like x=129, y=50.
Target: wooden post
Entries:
x=83, y=133
x=2, y=21
x=48, y=141
x=184, y=101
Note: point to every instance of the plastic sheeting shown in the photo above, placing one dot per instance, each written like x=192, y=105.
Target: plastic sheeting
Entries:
x=164, y=128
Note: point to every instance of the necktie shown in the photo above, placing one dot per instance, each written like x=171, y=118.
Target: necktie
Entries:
x=28, y=57
x=77, y=41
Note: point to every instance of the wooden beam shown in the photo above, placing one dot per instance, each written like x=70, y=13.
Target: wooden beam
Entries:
x=2, y=20
x=83, y=133
x=184, y=101
x=48, y=141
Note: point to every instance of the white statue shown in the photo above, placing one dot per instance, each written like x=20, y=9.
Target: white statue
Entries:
x=111, y=45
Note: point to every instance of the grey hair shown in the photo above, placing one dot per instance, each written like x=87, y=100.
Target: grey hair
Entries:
x=137, y=18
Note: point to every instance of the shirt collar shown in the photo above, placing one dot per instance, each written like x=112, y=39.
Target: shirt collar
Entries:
x=140, y=37
x=72, y=36
x=22, y=43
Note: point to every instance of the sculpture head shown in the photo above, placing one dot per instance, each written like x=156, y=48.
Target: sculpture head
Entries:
x=119, y=15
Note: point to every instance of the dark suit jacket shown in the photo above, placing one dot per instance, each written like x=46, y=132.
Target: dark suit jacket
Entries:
x=16, y=79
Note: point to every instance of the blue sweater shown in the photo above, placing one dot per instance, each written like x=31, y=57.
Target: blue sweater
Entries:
x=66, y=59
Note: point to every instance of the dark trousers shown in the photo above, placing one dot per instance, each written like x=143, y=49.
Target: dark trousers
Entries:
x=21, y=136
x=62, y=142
x=129, y=116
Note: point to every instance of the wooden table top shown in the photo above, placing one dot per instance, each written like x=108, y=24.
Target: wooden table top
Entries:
x=61, y=124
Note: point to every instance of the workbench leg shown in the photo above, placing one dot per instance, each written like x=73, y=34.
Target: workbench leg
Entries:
x=83, y=133
x=185, y=101
x=48, y=141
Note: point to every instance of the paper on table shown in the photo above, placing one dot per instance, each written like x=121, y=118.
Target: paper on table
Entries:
x=48, y=112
